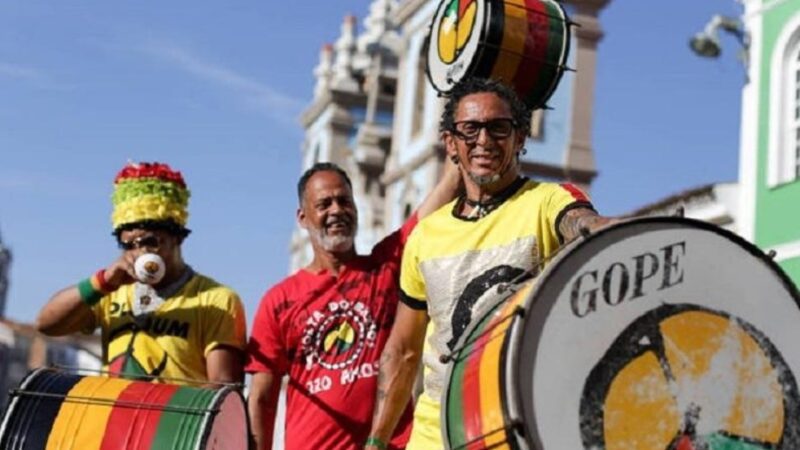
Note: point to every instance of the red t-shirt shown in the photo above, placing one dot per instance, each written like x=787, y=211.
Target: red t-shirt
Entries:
x=327, y=334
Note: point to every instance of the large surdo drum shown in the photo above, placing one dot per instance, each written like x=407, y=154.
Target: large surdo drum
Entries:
x=656, y=334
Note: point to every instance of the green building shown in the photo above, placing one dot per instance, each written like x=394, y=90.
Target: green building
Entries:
x=769, y=166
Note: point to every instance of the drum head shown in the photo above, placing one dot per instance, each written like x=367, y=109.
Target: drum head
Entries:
x=661, y=333
x=454, y=43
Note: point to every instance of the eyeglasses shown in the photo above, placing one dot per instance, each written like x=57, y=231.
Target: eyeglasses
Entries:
x=151, y=241
x=468, y=130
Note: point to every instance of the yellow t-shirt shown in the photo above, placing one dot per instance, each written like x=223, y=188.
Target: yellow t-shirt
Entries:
x=452, y=267
x=174, y=340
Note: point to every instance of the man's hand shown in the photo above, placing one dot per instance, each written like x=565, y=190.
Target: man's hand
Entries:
x=121, y=271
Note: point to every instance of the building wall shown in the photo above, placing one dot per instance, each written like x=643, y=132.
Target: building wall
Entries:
x=5, y=267
x=770, y=205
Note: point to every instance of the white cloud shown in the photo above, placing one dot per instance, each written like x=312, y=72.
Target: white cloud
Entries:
x=279, y=106
x=30, y=75
x=20, y=72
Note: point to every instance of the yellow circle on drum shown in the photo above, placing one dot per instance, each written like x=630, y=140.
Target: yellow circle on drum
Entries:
x=705, y=358
x=455, y=28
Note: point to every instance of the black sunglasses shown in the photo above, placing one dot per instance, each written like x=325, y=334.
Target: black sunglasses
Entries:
x=151, y=241
x=468, y=130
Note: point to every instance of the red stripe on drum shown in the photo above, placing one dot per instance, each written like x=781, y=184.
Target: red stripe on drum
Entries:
x=554, y=56
x=536, y=42
x=79, y=422
x=471, y=391
x=133, y=426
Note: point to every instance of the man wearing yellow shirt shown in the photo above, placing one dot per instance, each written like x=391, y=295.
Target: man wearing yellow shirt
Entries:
x=501, y=231
x=182, y=328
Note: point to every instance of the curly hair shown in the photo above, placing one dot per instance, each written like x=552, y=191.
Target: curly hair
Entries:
x=520, y=113
x=319, y=167
x=168, y=226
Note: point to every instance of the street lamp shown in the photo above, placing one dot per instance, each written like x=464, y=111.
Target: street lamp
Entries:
x=706, y=43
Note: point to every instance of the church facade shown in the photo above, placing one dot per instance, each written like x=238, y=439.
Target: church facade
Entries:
x=375, y=114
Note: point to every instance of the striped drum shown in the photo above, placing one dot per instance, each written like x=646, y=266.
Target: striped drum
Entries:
x=53, y=409
x=524, y=43
x=478, y=412
x=654, y=334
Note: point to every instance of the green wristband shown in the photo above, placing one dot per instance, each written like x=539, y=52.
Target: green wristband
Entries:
x=89, y=295
x=376, y=442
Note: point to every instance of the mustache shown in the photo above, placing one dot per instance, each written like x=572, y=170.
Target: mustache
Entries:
x=344, y=219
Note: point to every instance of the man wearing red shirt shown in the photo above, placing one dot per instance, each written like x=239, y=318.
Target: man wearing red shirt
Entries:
x=325, y=326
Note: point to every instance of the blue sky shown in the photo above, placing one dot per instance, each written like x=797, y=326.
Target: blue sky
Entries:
x=215, y=90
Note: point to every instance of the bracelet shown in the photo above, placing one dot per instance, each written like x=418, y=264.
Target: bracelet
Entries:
x=376, y=442
x=89, y=295
x=99, y=282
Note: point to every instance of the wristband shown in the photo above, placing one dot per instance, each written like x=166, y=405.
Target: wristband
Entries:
x=99, y=282
x=376, y=442
x=89, y=295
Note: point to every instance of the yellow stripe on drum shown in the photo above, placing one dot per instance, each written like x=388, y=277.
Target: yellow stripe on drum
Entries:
x=515, y=31
x=81, y=424
x=491, y=372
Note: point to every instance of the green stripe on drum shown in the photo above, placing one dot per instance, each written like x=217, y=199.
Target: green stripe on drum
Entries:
x=180, y=429
x=550, y=67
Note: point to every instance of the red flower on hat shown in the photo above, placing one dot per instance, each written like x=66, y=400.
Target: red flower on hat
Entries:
x=150, y=170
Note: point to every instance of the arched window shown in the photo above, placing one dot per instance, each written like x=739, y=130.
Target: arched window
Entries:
x=784, y=115
x=792, y=114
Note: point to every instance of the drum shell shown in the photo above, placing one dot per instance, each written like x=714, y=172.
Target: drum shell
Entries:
x=479, y=408
x=54, y=409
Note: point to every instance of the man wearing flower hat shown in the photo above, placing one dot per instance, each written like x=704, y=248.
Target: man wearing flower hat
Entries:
x=180, y=328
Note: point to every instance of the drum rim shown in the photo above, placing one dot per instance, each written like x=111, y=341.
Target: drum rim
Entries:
x=531, y=433
x=219, y=397
x=13, y=404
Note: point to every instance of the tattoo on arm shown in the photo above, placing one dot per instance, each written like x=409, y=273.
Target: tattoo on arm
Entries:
x=380, y=393
x=578, y=219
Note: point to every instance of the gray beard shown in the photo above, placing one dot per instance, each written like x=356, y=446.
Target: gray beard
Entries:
x=336, y=243
x=483, y=180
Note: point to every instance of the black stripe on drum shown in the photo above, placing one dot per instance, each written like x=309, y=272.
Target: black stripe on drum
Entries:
x=491, y=39
x=33, y=416
x=567, y=209
x=413, y=303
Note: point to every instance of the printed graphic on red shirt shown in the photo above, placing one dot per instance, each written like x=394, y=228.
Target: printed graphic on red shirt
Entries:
x=337, y=335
